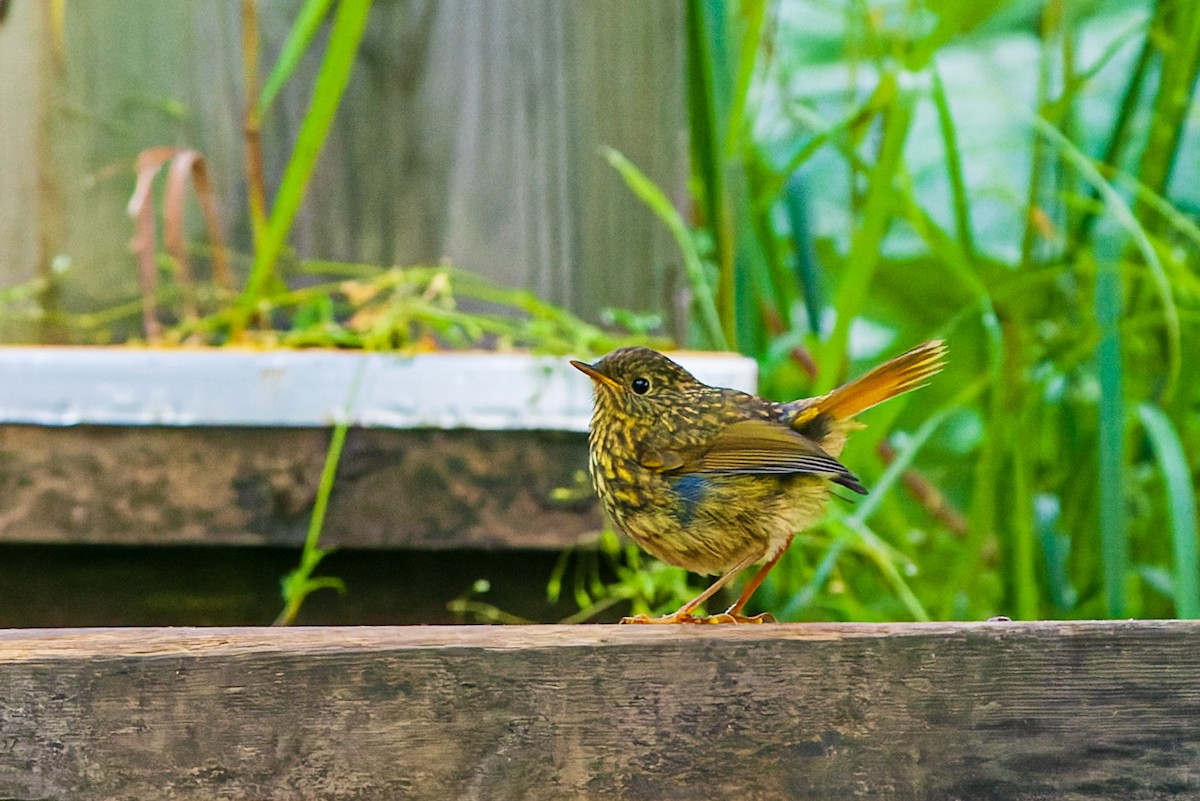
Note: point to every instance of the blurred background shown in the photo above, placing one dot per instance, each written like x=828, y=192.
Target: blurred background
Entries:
x=815, y=185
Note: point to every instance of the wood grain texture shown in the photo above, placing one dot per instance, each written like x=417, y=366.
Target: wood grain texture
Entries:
x=395, y=488
x=938, y=711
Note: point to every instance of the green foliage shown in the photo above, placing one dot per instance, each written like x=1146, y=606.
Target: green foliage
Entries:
x=611, y=574
x=345, y=305
x=1014, y=177
x=300, y=582
x=271, y=233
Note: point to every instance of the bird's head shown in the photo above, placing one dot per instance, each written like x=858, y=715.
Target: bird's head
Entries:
x=639, y=379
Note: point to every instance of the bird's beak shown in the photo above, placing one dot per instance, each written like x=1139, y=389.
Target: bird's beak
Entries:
x=594, y=374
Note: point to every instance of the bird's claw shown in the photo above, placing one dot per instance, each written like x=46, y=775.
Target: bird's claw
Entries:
x=687, y=617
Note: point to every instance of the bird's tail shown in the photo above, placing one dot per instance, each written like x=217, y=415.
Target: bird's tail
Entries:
x=905, y=372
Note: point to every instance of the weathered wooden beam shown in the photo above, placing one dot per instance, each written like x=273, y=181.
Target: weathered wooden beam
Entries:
x=940, y=711
x=394, y=489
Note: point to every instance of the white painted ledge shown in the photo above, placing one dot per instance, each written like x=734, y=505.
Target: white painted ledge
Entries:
x=310, y=388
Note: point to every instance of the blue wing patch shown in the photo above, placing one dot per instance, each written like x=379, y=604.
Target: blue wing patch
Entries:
x=691, y=489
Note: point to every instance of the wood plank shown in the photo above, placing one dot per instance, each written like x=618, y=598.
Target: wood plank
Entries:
x=395, y=488
x=1106, y=710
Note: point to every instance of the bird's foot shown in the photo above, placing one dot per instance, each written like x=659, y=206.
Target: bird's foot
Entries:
x=727, y=617
x=687, y=617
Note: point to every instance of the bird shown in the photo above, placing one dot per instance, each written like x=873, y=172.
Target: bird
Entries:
x=716, y=480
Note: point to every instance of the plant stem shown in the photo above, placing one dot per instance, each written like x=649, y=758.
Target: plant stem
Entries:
x=344, y=37
x=866, y=243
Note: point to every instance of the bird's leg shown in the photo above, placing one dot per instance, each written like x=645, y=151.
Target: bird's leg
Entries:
x=684, y=613
x=735, y=610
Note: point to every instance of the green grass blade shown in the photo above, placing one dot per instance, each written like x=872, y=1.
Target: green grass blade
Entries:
x=334, y=74
x=753, y=14
x=1125, y=218
x=821, y=574
x=856, y=521
x=649, y=193
x=1175, y=219
x=956, y=18
x=308, y=21
x=865, y=244
x=1172, y=103
x=1181, y=496
x=1114, y=535
x=878, y=552
x=297, y=584
x=1024, y=546
x=1122, y=126
x=958, y=190
x=706, y=22
x=795, y=203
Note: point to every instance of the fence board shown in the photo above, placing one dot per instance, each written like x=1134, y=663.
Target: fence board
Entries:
x=937, y=711
x=469, y=131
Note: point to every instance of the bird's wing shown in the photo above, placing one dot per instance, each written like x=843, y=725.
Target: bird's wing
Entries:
x=754, y=447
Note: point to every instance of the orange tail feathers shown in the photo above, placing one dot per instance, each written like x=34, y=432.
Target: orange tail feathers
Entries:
x=906, y=372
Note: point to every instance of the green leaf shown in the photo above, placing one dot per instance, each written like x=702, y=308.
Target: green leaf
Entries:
x=660, y=204
x=866, y=243
x=334, y=74
x=1124, y=217
x=308, y=21
x=1114, y=535
x=1181, y=496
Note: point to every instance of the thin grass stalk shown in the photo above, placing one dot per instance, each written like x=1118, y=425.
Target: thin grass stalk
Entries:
x=256, y=193
x=892, y=474
x=332, y=78
x=1176, y=220
x=703, y=296
x=1065, y=180
x=860, y=118
x=300, y=36
x=1181, y=500
x=753, y=15
x=1023, y=546
x=298, y=584
x=1051, y=12
x=954, y=171
x=1119, y=137
x=707, y=153
x=1180, y=61
x=985, y=497
x=1124, y=217
x=299, y=39
x=807, y=272
x=1114, y=534
x=878, y=552
x=866, y=242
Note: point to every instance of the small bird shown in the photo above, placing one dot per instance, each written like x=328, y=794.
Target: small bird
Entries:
x=715, y=480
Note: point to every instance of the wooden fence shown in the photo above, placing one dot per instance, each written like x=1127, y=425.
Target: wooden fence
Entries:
x=969, y=711
x=470, y=131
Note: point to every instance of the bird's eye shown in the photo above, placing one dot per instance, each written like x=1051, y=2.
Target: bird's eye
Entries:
x=640, y=385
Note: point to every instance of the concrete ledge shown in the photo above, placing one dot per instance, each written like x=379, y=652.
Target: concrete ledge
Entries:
x=310, y=388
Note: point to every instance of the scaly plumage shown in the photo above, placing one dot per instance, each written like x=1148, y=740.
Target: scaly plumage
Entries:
x=715, y=480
